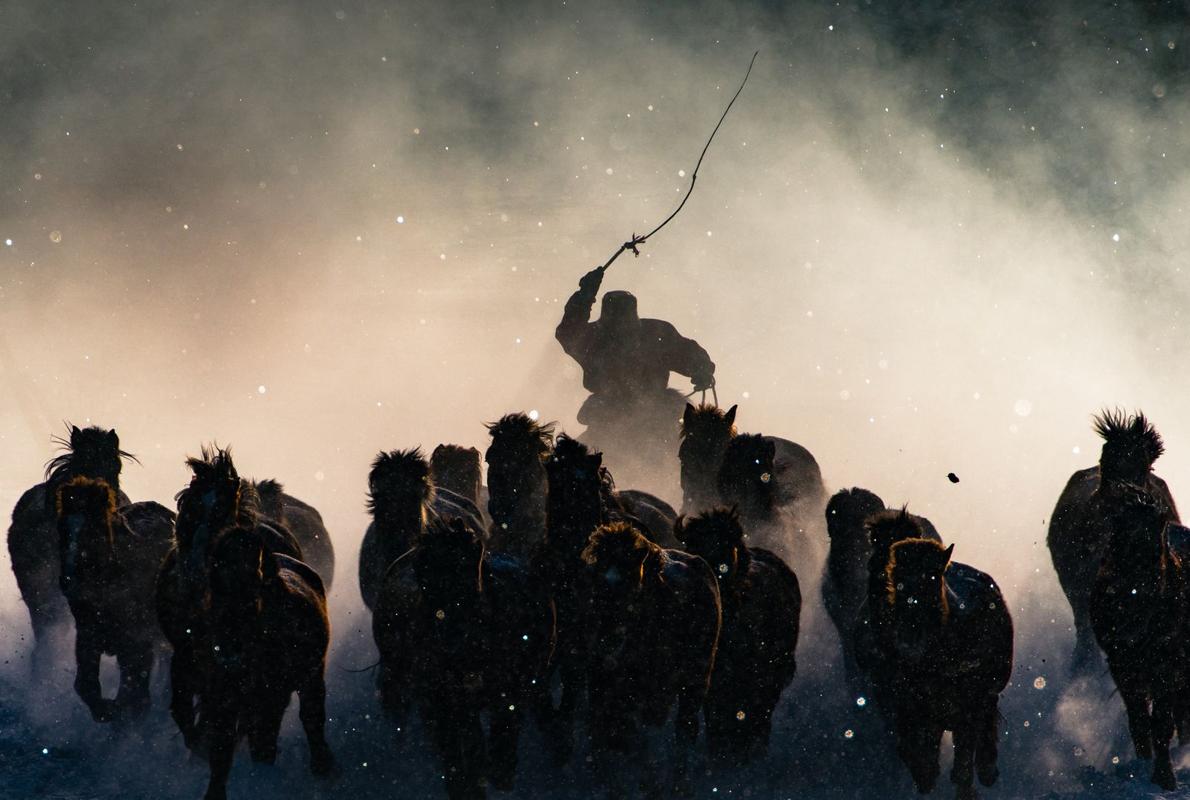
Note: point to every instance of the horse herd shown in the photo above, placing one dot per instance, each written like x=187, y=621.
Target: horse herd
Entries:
x=552, y=596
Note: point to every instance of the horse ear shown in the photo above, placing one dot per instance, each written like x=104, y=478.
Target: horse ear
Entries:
x=687, y=416
x=946, y=555
x=597, y=460
x=75, y=433
x=680, y=527
x=729, y=417
x=770, y=448
x=113, y=438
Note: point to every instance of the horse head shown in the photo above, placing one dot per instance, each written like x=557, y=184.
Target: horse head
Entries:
x=578, y=488
x=1130, y=446
x=88, y=452
x=717, y=537
x=706, y=432
x=916, y=592
x=745, y=477
x=622, y=563
x=86, y=510
x=215, y=499
x=458, y=469
x=400, y=491
x=516, y=471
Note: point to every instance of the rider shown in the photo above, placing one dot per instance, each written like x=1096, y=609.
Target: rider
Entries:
x=626, y=363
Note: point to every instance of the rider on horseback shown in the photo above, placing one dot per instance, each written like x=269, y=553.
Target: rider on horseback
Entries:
x=626, y=363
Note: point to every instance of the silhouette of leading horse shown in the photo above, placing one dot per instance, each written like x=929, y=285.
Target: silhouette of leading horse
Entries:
x=32, y=538
x=269, y=632
x=517, y=482
x=109, y=562
x=1079, y=529
x=944, y=643
x=459, y=470
x=304, y=522
x=1138, y=611
x=756, y=660
x=706, y=432
x=215, y=500
x=655, y=619
x=463, y=632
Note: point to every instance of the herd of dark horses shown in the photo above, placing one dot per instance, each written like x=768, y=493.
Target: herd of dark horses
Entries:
x=551, y=596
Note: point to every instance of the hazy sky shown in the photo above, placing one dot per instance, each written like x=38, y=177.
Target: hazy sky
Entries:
x=927, y=240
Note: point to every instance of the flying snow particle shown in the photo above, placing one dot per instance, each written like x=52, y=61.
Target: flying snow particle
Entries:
x=45, y=751
x=440, y=614
x=400, y=220
x=180, y=146
x=882, y=363
x=261, y=389
x=8, y=242
x=609, y=170
x=55, y=236
x=740, y=715
x=1039, y=682
x=1023, y=408
x=1115, y=237
x=417, y=131
x=765, y=477
x=340, y=14
x=861, y=701
x=848, y=734
x=442, y=256
x=681, y=173
x=708, y=233
x=185, y=226
x=36, y=176
x=650, y=106
x=844, y=395
x=1076, y=449
x=746, y=395
x=533, y=414
x=722, y=569
x=319, y=475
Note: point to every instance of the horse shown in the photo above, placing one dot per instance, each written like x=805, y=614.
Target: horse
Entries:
x=517, y=482
x=1138, y=611
x=86, y=452
x=459, y=470
x=269, y=632
x=747, y=481
x=706, y=432
x=654, y=626
x=462, y=631
x=109, y=559
x=304, y=522
x=946, y=646
x=1079, y=531
x=761, y=602
x=849, y=563
x=215, y=500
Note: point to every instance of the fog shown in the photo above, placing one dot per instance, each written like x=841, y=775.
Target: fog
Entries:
x=926, y=240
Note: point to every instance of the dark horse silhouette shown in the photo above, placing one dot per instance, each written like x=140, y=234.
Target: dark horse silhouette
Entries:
x=655, y=620
x=215, y=500
x=517, y=482
x=747, y=481
x=459, y=470
x=706, y=432
x=1079, y=530
x=304, y=522
x=461, y=632
x=1138, y=613
x=87, y=452
x=402, y=501
x=269, y=633
x=761, y=603
x=109, y=562
x=845, y=583
x=944, y=645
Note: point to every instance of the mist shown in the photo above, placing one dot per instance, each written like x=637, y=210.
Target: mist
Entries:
x=928, y=239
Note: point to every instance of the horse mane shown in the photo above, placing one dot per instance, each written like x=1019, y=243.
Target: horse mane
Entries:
x=455, y=460
x=78, y=440
x=213, y=462
x=702, y=416
x=90, y=485
x=915, y=556
x=396, y=464
x=617, y=543
x=893, y=525
x=850, y=508
x=519, y=427
x=1128, y=433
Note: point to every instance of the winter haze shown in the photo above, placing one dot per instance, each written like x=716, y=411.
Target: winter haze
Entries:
x=930, y=238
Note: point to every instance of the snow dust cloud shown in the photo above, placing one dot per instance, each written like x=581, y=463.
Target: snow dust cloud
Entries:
x=927, y=240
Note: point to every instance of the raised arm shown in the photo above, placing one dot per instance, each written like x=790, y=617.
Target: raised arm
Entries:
x=685, y=356
x=571, y=332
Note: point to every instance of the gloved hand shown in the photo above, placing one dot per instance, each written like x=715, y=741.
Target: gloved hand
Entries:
x=590, y=282
x=703, y=382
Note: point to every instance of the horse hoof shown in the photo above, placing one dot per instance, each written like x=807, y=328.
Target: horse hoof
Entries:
x=965, y=793
x=322, y=763
x=988, y=774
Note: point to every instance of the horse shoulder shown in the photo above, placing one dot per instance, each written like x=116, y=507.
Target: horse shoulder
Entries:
x=692, y=585
x=1166, y=495
x=30, y=508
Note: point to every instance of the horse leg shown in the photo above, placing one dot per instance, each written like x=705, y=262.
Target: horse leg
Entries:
x=221, y=740
x=182, y=689
x=87, y=653
x=503, y=736
x=690, y=701
x=962, y=773
x=573, y=674
x=312, y=712
x=136, y=667
x=1162, y=728
x=265, y=725
x=452, y=730
x=1136, y=703
x=987, y=745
